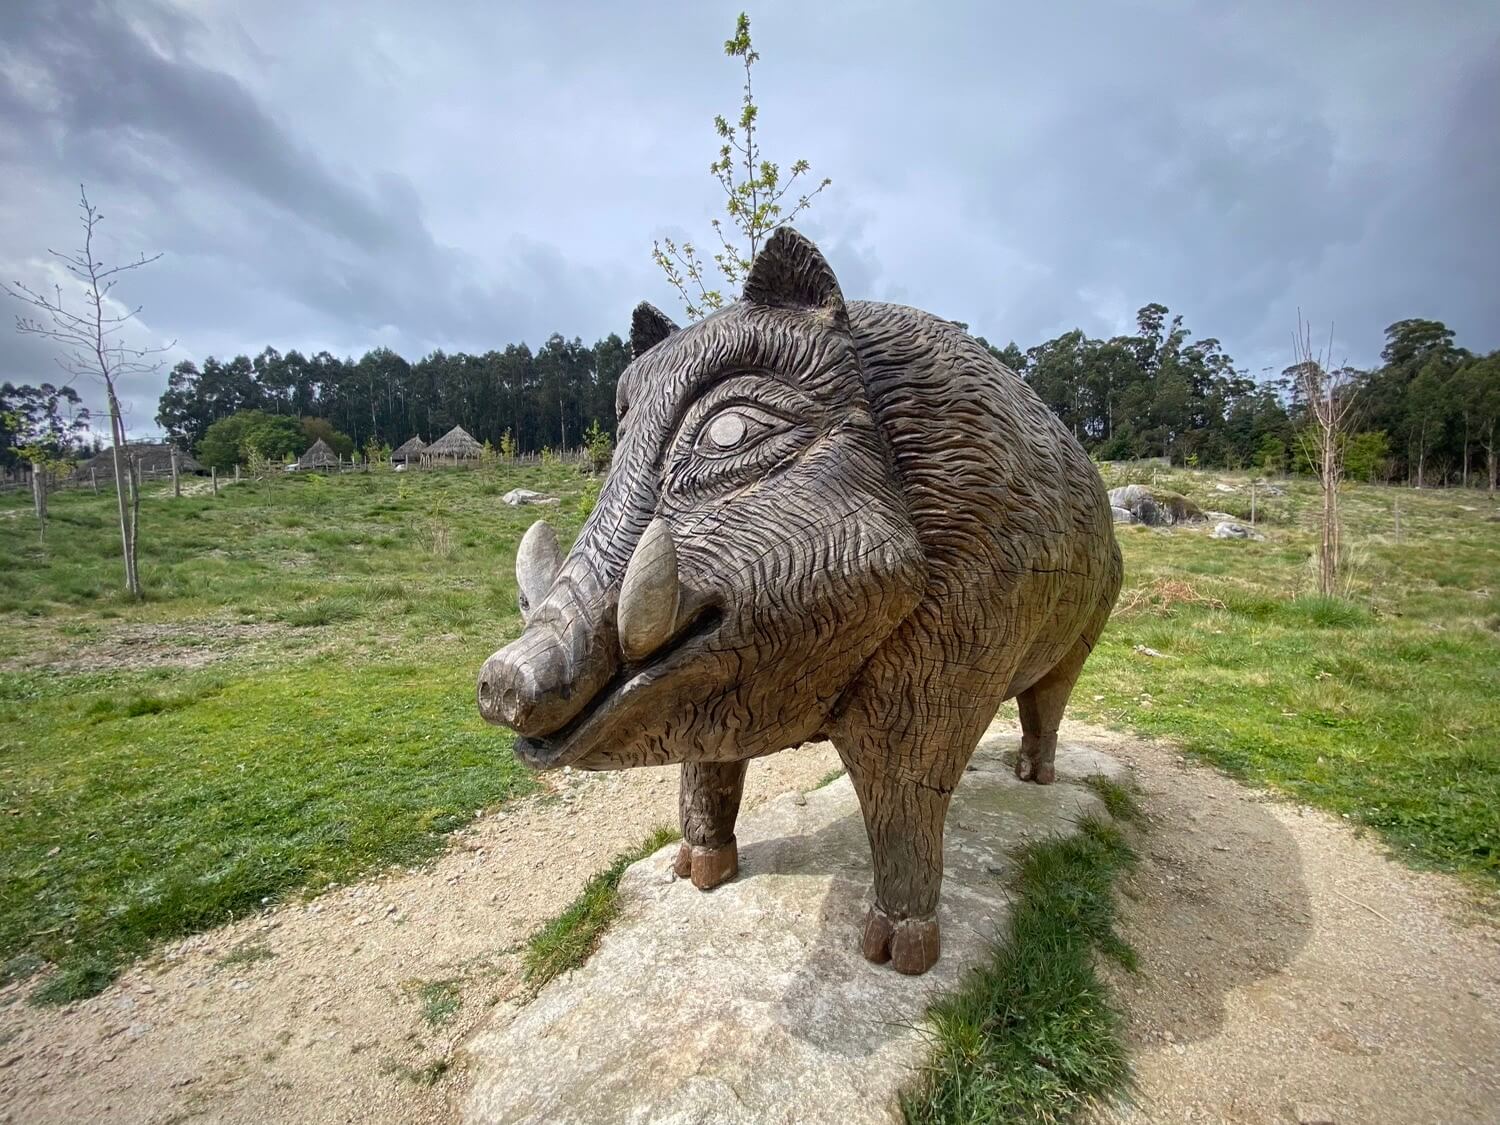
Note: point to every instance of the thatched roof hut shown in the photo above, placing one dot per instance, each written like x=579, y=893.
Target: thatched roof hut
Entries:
x=455, y=445
x=154, y=459
x=409, y=450
x=318, y=456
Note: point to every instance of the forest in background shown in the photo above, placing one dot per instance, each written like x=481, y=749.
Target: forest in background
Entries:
x=1429, y=413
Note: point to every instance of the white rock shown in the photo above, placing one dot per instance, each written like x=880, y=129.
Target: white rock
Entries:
x=516, y=497
x=1225, y=529
x=753, y=1003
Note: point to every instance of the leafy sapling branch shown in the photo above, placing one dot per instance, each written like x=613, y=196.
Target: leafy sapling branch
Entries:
x=757, y=199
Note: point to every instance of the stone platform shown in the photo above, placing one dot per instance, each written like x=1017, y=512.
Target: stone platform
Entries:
x=752, y=1003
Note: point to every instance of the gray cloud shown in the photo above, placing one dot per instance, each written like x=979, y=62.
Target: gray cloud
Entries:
x=446, y=175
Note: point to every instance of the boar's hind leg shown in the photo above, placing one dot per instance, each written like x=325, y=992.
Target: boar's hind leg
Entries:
x=1042, y=706
x=708, y=803
x=904, y=809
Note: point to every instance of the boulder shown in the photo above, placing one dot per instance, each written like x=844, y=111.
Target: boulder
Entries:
x=1227, y=529
x=1128, y=495
x=1122, y=515
x=517, y=497
x=753, y=1003
x=1153, y=507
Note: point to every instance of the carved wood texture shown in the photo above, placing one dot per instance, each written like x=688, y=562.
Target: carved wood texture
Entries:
x=878, y=534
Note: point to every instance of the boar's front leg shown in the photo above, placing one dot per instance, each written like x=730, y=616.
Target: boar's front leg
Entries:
x=708, y=802
x=905, y=802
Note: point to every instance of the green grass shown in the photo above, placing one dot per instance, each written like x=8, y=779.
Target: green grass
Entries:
x=1381, y=705
x=439, y=1000
x=567, y=941
x=1119, y=799
x=292, y=704
x=290, y=707
x=1032, y=1036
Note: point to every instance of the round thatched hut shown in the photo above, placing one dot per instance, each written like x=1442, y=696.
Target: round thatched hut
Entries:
x=153, y=460
x=453, y=447
x=318, y=456
x=408, y=451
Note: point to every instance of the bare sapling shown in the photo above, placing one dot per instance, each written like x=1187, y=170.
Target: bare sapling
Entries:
x=90, y=325
x=39, y=498
x=1328, y=392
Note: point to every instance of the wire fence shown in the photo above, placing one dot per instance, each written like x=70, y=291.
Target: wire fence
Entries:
x=20, y=479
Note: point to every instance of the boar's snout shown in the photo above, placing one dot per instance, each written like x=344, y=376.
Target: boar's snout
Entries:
x=525, y=685
x=541, y=681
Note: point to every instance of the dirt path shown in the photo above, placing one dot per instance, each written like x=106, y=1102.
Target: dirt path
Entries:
x=1289, y=971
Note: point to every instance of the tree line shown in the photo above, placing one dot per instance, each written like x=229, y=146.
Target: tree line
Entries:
x=41, y=423
x=543, y=398
x=1429, y=413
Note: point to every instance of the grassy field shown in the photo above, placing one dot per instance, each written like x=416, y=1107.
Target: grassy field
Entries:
x=1382, y=704
x=291, y=706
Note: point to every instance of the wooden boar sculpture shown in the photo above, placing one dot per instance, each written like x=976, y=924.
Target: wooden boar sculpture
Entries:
x=823, y=520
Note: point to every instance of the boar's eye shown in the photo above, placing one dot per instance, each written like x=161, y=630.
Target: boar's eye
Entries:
x=741, y=428
x=733, y=429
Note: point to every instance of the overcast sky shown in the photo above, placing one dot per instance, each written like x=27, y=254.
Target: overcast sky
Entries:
x=344, y=175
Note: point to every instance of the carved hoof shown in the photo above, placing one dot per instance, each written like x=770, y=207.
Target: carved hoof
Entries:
x=876, y=944
x=911, y=945
x=707, y=867
x=915, y=946
x=1028, y=770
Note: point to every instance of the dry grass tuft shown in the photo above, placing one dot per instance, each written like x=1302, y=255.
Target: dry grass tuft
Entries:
x=1162, y=596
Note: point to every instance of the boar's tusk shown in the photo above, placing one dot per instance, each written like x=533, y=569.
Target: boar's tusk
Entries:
x=650, y=594
x=538, y=559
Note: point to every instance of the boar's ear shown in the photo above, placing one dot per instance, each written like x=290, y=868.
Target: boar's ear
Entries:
x=790, y=272
x=649, y=326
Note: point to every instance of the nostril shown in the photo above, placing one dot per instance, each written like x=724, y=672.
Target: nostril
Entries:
x=485, y=691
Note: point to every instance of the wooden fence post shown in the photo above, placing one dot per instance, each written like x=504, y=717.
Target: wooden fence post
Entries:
x=1252, y=503
x=93, y=481
x=176, y=481
x=213, y=479
x=236, y=472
